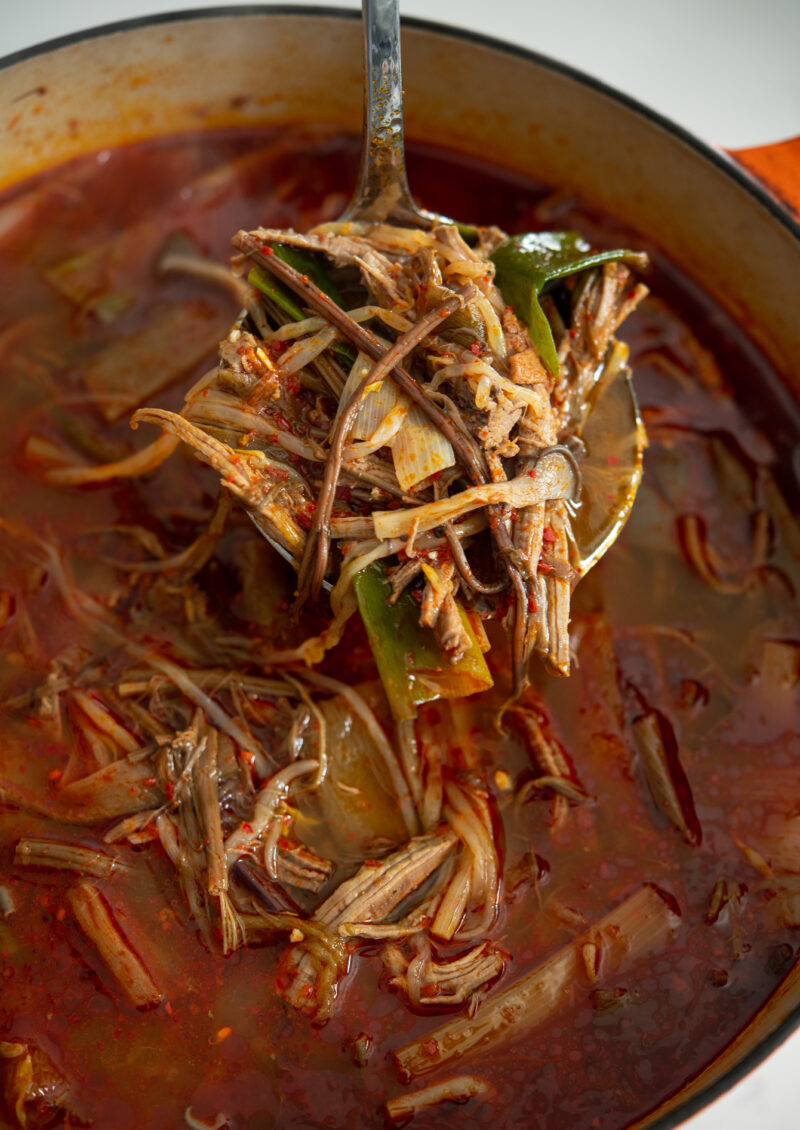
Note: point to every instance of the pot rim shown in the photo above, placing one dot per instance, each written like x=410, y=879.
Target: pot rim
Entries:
x=719, y=158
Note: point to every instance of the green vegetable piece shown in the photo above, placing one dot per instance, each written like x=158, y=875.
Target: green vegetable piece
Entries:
x=279, y=295
x=285, y=300
x=411, y=664
x=307, y=264
x=469, y=233
x=527, y=264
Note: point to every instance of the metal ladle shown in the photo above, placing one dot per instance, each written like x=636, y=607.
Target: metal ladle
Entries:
x=382, y=194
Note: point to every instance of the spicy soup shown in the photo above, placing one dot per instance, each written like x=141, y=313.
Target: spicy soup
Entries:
x=659, y=782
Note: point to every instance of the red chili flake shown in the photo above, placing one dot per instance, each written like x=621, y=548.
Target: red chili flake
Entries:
x=205, y=392
x=281, y=421
x=61, y=914
x=431, y=1048
x=247, y=829
x=573, y=333
x=532, y=605
x=169, y=789
x=544, y=567
x=613, y=460
x=149, y=781
x=279, y=475
x=549, y=534
x=54, y=774
x=267, y=250
x=532, y=472
x=475, y=348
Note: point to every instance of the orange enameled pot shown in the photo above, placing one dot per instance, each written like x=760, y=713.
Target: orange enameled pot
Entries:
x=736, y=238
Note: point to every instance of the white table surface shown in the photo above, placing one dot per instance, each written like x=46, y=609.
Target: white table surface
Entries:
x=729, y=70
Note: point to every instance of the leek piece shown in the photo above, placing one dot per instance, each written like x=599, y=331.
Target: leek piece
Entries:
x=279, y=294
x=285, y=300
x=527, y=264
x=411, y=664
x=641, y=925
x=307, y=264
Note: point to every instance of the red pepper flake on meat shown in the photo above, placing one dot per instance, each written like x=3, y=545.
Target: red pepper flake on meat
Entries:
x=280, y=420
x=549, y=534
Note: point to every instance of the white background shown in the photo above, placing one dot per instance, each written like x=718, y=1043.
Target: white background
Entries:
x=729, y=70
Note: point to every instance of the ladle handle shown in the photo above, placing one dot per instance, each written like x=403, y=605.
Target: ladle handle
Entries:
x=382, y=192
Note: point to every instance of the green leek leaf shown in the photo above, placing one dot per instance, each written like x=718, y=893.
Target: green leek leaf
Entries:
x=411, y=664
x=279, y=294
x=527, y=264
x=307, y=264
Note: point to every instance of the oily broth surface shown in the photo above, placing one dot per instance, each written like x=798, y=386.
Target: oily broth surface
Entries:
x=589, y=1066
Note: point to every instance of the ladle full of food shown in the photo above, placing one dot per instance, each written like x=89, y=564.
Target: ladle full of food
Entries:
x=439, y=424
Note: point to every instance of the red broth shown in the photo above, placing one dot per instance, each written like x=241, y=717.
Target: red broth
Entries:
x=716, y=656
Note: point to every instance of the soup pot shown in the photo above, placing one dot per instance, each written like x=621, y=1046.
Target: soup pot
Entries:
x=734, y=235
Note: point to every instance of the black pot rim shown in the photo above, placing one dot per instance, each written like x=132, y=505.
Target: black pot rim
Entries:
x=716, y=157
